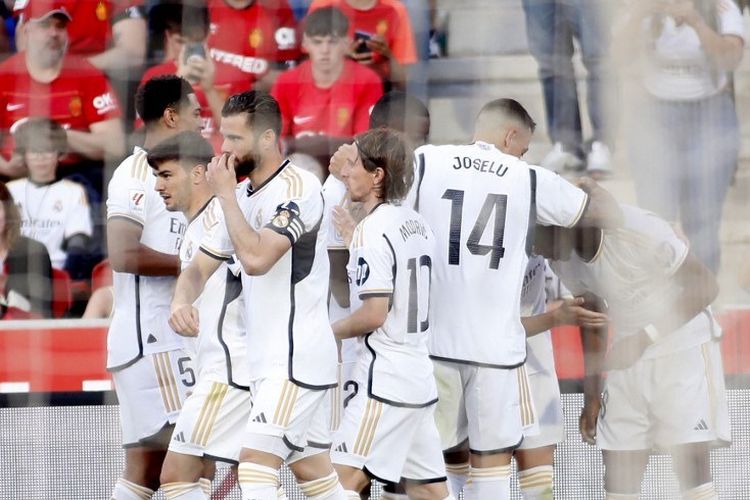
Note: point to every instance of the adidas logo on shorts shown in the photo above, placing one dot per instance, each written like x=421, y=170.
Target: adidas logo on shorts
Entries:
x=179, y=437
x=342, y=448
x=701, y=426
x=261, y=417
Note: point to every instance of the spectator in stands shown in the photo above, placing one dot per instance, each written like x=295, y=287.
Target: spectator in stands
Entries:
x=399, y=111
x=111, y=34
x=551, y=27
x=326, y=100
x=45, y=81
x=252, y=39
x=185, y=29
x=26, y=270
x=381, y=34
x=53, y=212
x=686, y=141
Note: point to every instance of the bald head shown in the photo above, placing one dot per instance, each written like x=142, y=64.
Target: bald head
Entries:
x=506, y=124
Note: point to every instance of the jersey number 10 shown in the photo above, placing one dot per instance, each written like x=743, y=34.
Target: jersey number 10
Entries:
x=497, y=203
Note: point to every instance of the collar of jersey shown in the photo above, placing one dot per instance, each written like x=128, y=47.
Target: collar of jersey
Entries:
x=200, y=211
x=251, y=190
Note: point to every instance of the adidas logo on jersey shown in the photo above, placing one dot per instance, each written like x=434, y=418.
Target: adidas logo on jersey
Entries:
x=179, y=437
x=151, y=339
x=701, y=426
x=261, y=417
x=342, y=448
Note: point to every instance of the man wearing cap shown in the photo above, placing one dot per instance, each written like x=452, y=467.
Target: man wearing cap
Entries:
x=43, y=80
x=111, y=34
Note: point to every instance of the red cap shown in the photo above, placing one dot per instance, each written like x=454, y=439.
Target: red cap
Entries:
x=39, y=10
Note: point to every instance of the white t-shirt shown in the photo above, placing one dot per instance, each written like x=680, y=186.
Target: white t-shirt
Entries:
x=480, y=205
x=222, y=342
x=633, y=272
x=677, y=69
x=141, y=310
x=286, y=309
x=52, y=213
x=335, y=194
x=391, y=255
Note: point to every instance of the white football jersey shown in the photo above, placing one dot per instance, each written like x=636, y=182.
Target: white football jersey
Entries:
x=141, y=309
x=51, y=213
x=335, y=194
x=222, y=341
x=633, y=271
x=391, y=255
x=539, y=355
x=286, y=309
x=481, y=205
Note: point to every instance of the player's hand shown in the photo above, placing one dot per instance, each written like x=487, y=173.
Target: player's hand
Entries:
x=344, y=154
x=13, y=168
x=378, y=45
x=626, y=352
x=572, y=312
x=587, y=421
x=220, y=175
x=344, y=223
x=184, y=320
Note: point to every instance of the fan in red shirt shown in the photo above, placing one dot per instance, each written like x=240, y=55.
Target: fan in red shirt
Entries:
x=110, y=33
x=326, y=100
x=252, y=39
x=382, y=35
x=185, y=29
x=44, y=81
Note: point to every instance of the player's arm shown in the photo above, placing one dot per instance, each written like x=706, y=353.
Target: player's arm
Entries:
x=602, y=209
x=368, y=318
x=594, y=343
x=339, y=281
x=129, y=35
x=699, y=289
x=105, y=139
x=568, y=311
x=257, y=251
x=128, y=255
x=184, y=316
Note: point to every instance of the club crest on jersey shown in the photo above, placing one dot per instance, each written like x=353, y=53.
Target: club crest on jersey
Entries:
x=255, y=38
x=101, y=11
x=363, y=271
x=75, y=106
x=382, y=27
x=342, y=117
x=259, y=219
x=282, y=219
x=189, y=251
x=57, y=207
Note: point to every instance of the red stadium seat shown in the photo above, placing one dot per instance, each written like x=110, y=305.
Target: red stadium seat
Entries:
x=62, y=295
x=101, y=275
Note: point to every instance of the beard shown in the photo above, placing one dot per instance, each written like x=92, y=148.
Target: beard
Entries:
x=244, y=166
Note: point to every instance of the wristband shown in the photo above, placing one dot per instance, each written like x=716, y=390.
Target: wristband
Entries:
x=652, y=333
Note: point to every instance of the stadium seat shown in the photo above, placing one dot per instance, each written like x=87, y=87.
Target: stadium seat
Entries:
x=101, y=275
x=62, y=296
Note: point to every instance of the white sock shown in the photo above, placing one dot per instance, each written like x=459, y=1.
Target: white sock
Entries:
x=257, y=482
x=620, y=496
x=703, y=492
x=488, y=482
x=387, y=495
x=324, y=488
x=457, y=474
x=351, y=495
x=125, y=490
x=205, y=486
x=536, y=483
x=183, y=491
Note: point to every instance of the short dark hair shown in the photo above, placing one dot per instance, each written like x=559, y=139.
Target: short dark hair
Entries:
x=262, y=110
x=328, y=21
x=160, y=93
x=187, y=18
x=12, y=229
x=40, y=135
x=388, y=149
x=188, y=148
x=510, y=108
x=402, y=112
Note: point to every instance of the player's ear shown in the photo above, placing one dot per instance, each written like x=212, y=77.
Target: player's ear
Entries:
x=198, y=173
x=170, y=117
x=268, y=140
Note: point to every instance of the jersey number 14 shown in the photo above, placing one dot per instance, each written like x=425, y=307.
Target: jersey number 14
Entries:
x=496, y=203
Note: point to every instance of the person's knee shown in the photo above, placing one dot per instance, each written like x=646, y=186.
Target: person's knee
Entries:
x=623, y=471
x=480, y=461
x=143, y=466
x=692, y=464
x=429, y=491
x=312, y=467
x=178, y=467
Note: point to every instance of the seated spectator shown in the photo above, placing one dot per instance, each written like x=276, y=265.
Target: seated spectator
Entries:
x=26, y=269
x=399, y=111
x=111, y=34
x=326, y=100
x=252, y=39
x=382, y=36
x=184, y=30
x=45, y=81
x=53, y=212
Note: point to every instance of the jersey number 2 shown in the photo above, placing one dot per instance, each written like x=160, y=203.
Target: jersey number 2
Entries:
x=497, y=203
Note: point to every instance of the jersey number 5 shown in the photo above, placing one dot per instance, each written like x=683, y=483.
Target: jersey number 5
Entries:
x=497, y=203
